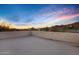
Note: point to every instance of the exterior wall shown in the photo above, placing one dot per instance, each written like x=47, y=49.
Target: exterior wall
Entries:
x=61, y=36
x=5, y=35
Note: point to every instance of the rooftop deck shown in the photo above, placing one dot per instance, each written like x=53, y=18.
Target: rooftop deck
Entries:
x=32, y=45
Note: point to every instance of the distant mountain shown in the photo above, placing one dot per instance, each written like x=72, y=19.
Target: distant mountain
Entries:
x=75, y=25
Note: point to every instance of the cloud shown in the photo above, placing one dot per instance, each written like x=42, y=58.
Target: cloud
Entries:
x=13, y=18
x=50, y=12
x=28, y=20
x=68, y=16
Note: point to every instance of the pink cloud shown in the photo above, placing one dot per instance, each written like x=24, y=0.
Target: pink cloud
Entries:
x=66, y=10
x=68, y=16
x=57, y=13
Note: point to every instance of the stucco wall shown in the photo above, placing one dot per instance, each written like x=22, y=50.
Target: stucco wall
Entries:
x=62, y=36
x=5, y=35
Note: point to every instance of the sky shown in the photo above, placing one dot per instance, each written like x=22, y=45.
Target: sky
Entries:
x=39, y=15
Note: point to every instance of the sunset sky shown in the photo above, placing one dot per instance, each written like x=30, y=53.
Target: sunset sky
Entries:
x=39, y=15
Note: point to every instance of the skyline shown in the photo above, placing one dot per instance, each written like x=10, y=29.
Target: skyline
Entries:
x=39, y=15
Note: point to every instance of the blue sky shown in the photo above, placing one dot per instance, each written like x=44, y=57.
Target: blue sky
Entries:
x=39, y=14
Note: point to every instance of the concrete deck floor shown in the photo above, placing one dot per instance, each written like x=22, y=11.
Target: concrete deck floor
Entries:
x=35, y=46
